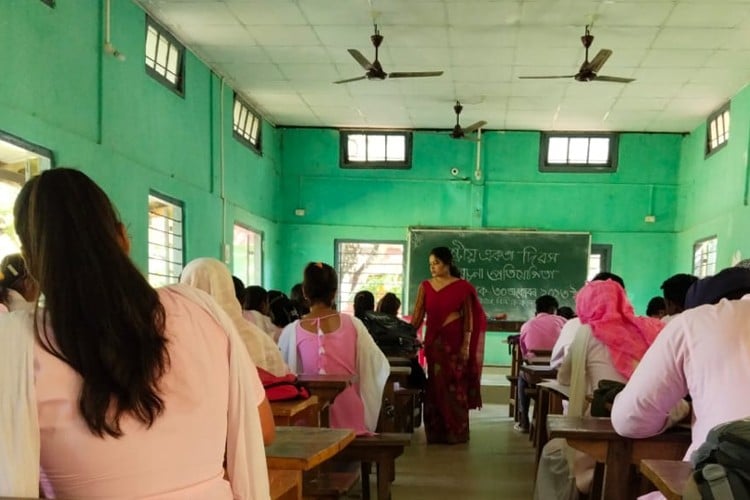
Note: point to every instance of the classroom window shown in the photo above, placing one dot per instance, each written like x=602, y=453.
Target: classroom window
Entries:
x=717, y=130
x=165, y=241
x=578, y=152
x=600, y=260
x=246, y=125
x=165, y=57
x=377, y=266
x=363, y=149
x=247, y=255
x=704, y=257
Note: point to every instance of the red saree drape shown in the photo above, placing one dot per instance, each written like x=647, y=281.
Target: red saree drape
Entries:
x=453, y=385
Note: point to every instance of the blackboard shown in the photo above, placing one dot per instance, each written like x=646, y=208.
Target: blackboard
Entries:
x=509, y=269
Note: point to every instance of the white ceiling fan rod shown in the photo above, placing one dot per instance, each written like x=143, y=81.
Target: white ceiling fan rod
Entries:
x=478, y=166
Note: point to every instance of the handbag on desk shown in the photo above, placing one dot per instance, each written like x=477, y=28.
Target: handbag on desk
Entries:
x=604, y=396
x=282, y=388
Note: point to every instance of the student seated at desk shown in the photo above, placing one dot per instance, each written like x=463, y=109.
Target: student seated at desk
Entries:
x=537, y=334
x=568, y=332
x=255, y=309
x=327, y=342
x=114, y=389
x=674, y=290
x=608, y=345
x=704, y=352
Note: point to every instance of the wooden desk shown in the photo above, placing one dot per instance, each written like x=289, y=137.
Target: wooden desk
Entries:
x=300, y=449
x=326, y=388
x=550, y=397
x=537, y=373
x=494, y=325
x=399, y=361
x=669, y=476
x=284, y=484
x=515, y=364
x=296, y=412
x=388, y=417
x=382, y=449
x=596, y=437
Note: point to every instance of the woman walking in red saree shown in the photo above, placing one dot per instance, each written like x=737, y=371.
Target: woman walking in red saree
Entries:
x=454, y=348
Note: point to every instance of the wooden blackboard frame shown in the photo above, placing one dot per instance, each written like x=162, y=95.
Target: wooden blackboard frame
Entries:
x=572, y=248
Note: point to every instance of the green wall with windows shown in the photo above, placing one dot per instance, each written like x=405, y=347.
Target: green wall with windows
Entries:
x=512, y=193
x=129, y=132
x=714, y=190
x=133, y=135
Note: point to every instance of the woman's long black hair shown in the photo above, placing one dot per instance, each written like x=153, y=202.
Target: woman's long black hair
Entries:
x=106, y=320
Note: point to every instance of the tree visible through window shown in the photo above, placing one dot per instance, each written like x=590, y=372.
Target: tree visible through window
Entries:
x=368, y=265
x=247, y=255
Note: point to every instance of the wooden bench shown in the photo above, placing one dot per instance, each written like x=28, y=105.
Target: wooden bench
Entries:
x=389, y=414
x=284, y=484
x=515, y=364
x=550, y=401
x=328, y=485
x=382, y=450
x=669, y=476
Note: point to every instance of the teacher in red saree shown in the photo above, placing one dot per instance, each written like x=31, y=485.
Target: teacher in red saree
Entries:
x=454, y=348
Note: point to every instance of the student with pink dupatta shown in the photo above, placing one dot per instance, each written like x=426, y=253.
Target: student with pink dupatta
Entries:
x=607, y=346
x=453, y=346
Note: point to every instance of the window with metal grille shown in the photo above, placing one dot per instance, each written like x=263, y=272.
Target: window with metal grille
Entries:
x=704, y=257
x=382, y=149
x=717, y=130
x=246, y=125
x=377, y=266
x=165, y=241
x=247, y=255
x=165, y=57
x=578, y=152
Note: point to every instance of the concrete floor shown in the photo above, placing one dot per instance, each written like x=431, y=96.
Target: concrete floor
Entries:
x=498, y=463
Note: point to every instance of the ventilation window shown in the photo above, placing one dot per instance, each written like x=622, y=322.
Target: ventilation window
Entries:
x=165, y=250
x=578, y=153
x=246, y=125
x=377, y=266
x=247, y=261
x=362, y=149
x=165, y=57
x=717, y=130
x=704, y=257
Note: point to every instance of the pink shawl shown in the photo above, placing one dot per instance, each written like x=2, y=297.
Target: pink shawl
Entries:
x=604, y=306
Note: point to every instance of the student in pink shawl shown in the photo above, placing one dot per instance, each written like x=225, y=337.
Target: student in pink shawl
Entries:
x=453, y=346
x=608, y=345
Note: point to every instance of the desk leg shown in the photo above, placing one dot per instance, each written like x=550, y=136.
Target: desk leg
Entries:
x=616, y=478
x=324, y=415
x=540, y=438
x=386, y=471
x=365, y=479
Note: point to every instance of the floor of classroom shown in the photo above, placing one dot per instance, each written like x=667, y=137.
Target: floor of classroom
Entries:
x=498, y=463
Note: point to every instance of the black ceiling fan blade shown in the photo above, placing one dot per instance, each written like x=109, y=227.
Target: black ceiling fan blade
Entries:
x=414, y=74
x=475, y=126
x=599, y=59
x=351, y=79
x=544, y=77
x=616, y=79
x=362, y=60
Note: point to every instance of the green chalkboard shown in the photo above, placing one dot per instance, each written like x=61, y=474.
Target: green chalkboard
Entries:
x=509, y=269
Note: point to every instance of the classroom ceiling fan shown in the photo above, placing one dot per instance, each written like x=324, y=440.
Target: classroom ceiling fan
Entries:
x=374, y=71
x=589, y=70
x=458, y=132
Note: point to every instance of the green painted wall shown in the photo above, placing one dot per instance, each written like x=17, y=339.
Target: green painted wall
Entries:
x=512, y=193
x=713, y=191
x=129, y=132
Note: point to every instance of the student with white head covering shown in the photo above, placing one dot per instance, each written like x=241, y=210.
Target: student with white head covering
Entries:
x=212, y=276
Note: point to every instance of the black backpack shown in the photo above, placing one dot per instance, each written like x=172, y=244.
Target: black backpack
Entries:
x=722, y=464
x=394, y=336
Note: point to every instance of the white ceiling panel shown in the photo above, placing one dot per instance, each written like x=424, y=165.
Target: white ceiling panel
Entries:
x=689, y=57
x=273, y=12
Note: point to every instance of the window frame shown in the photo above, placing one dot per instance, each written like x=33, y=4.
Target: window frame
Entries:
x=697, y=244
x=256, y=148
x=175, y=202
x=591, y=168
x=719, y=113
x=336, y=266
x=177, y=87
x=258, y=255
x=385, y=164
x=604, y=250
